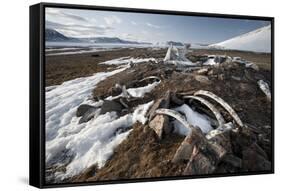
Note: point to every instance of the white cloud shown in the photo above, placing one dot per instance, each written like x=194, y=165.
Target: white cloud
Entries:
x=133, y=23
x=153, y=25
x=144, y=32
x=112, y=20
x=57, y=13
x=76, y=30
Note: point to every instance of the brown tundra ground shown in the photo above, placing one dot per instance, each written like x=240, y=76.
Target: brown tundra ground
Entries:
x=143, y=154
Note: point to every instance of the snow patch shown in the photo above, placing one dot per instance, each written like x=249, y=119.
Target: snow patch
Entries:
x=78, y=51
x=141, y=91
x=95, y=143
x=63, y=100
x=193, y=118
x=79, y=146
x=127, y=60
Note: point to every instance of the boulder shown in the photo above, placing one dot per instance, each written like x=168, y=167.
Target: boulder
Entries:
x=196, y=139
x=82, y=109
x=185, y=149
x=90, y=114
x=160, y=123
x=109, y=106
x=199, y=164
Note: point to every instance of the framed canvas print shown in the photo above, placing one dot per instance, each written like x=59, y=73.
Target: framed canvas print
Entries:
x=126, y=95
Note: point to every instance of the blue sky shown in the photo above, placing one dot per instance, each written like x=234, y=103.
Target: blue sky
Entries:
x=147, y=27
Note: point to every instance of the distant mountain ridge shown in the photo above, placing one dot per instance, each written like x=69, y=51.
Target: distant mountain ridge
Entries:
x=55, y=36
x=110, y=40
x=174, y=43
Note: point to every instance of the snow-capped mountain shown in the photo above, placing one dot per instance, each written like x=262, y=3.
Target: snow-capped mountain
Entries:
x=258, y=40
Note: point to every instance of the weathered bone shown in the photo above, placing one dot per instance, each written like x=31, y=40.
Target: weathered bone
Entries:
x=217, y=114
x=151, y=77
x=123, y=103
x=173, y=114
x=225, y=105
x=125, y=93
x=226, y=127
x=265, y=88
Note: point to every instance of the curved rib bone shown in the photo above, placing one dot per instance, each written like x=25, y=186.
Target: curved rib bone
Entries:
x=217, y=114
x=123, y=103
x=151, y=77
x=225, y=105
x=173, y=114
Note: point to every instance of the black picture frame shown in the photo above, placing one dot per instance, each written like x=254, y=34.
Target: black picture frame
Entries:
x=37, y=92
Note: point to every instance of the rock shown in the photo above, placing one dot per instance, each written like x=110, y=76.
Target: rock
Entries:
x=255, y=159
x=82, y=109
x=163, y=102
x=202, y=71
x=185, y=149
x=199, y=164
x=202, y=79
x=160, y=124
x=90, y=114
x=109, y=106
x=197, y=140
